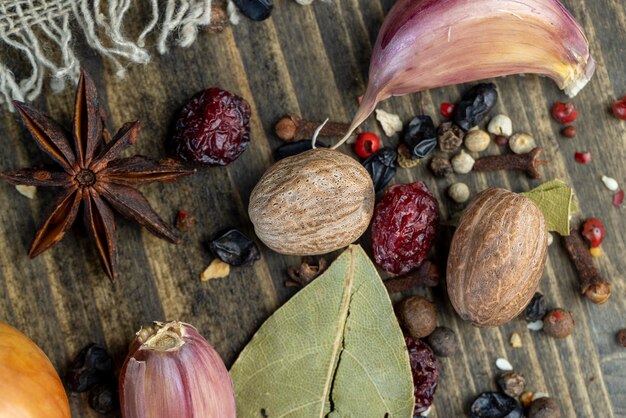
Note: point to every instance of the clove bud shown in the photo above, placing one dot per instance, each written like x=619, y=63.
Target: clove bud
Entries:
x=172, y=371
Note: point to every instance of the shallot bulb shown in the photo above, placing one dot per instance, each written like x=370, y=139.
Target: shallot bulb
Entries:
x=172, y=371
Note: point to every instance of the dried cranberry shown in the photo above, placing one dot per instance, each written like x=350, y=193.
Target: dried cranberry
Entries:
x=495, y=405
x=475, y=105
x=92, y=366
x=593, y=231
x=583, y=157
x=618, y=198
x=447, y=110
x=404, y=226
x=425, y=371
x=564, y=112
x=619, y=108
x=421, y=136
x=213, y=128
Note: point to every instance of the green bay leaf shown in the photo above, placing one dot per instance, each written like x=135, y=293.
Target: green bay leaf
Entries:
x=556, y=200
x=335, y=349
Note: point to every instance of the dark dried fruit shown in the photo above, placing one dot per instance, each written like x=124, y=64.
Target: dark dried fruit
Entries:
x=444, y=342
x=536, y=309
x=213, y=128
x=418, y=316
x=298, y=147
x=544, y=408
x=103, y=398
x=382, y=167
x=495, y=405
x=558, y=323
x=450, y=137
x=404, y=227
x=235, y=248
x=92, y=366
x=425, y=371
x=255, y=9
x=441, y=166
x=475, y=105
x=420, y=136
x=512, y=383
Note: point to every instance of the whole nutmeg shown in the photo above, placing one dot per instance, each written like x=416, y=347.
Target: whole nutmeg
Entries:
x=312, y=203
x=544, y=408
x=418, y=316
x=512, y=383
x=444, y=342
x=497, y=257
x=477, y=140
x=558, y=323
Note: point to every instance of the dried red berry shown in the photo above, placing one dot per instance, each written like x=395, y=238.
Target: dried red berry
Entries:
x=447, y=110
x=213, y=128
x=564, y=112
x=619, y=108
x=425, y=373
x=583, y=157
x=366, y=144
x=618, y=198
x=404, y=226
x=593, y=232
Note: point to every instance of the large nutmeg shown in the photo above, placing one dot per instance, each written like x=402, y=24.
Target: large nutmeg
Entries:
x=497, y=257
x=312, y=203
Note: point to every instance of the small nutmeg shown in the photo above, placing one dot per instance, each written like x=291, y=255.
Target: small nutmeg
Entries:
x=418, y=316
x=558, y=323
x=544, y=408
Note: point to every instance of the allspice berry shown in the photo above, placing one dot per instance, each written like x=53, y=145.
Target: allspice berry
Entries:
x=418, y=316
x=621, y=338
x=558, y=323
x=569, y=131
x=544, y=408
x=443, y=342
x=512, y=383
x=440, y=166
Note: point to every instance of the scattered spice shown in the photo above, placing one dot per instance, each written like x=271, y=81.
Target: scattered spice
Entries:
x=390, y=122
x=446, y=110
x=107, y=183
x=500, y=125
x=366, y=144
x=477, y=140
x=475, y=105
x=522, y=143
x=420, y=137
x=618, y=198
x=462, y=163
x=92, y=366
x=527, y=163
x=405, y=159
x=512, y=383
x=418, y=316
x=593, y=285
x=569, y=131
x=621, y=337
x=298, y=147
x=619, y=108
x=425, y=369
x=535, y=326
x=583, y=157
x=558, y=323
x=426, y=275
x=27, y=191
x=293, y=128
x=501, y=140
x=235, y=248
x=382, y=167
x=610, y=183
x=516, y=340
x=593, y=232
x=536, y=309
x=216, y=270
x=450, y=137
x=310, y=269
x=494, y=404
x=544, y=408
x=185, y=221
x=459, y=192
x=564, y=112
x=104, y=398
x=440, y=166
x=443, y=342
x=504, y=365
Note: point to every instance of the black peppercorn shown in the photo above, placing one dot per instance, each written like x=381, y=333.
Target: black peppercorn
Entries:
x=444, y=342
x=420, y=136
x=475, y=105
x=495, y=405
x=103, y=398
x=235, y=248
x=382, y=167
x=536, y=309
x=92, y=366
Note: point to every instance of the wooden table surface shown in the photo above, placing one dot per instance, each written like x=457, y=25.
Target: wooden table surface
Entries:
x=313, y=61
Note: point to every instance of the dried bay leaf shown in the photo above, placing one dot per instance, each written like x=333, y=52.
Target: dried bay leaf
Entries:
x=335, y=349
x=556, y=200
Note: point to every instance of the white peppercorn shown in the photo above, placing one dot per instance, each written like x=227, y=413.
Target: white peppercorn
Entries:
x=477, y=140
x=522, y=143
x=459, y=192
x=500, y=125
x=462, y=163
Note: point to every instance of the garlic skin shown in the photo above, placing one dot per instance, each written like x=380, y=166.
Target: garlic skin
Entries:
x=425, y=44
x=172, y=371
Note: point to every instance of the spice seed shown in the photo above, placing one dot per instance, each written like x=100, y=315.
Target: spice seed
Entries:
x=504, y=365
x=28, y=191
x=216, y=270
x=535, y=326
x=516, y=340
x=610, y=183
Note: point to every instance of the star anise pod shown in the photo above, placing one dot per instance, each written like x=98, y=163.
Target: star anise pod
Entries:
x=93, y=178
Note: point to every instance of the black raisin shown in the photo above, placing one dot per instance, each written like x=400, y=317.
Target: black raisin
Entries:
x=92, y=366
x=255, y=9
x=536, y=309
x=298, y=147
x=475, y=105
x=421, y=136
x=235, y=248
x=382, y=167
x=495, y=405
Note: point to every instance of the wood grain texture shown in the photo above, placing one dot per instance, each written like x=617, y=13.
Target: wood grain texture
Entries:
x=313, y=61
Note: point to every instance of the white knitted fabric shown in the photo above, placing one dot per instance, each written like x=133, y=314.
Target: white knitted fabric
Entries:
x=40, y=31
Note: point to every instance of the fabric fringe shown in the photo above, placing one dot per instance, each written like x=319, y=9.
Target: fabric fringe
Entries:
x=40, y=31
